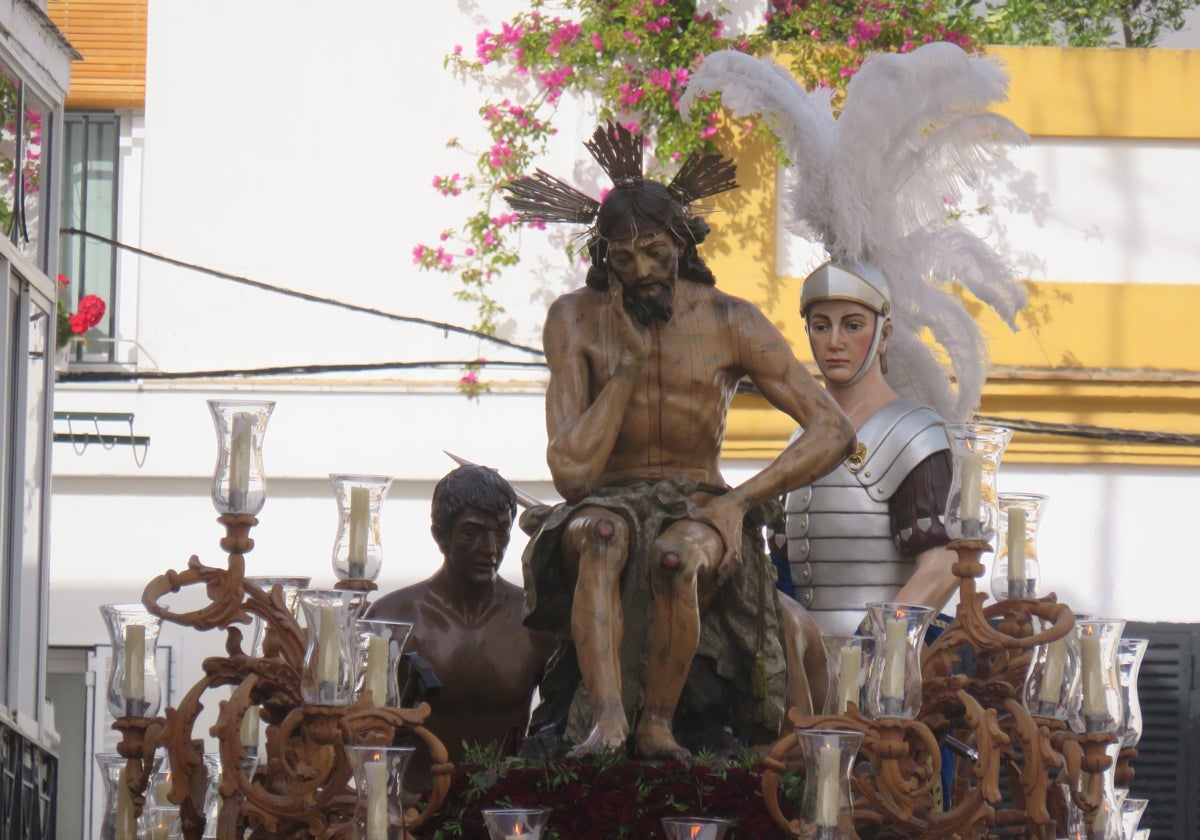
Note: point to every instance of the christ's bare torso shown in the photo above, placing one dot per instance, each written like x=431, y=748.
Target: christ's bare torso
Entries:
x=674, y=420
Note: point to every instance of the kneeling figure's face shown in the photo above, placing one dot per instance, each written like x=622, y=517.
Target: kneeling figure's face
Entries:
x=475, y=545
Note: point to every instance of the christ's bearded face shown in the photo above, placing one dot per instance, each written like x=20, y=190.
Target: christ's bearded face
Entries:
x=647, y=268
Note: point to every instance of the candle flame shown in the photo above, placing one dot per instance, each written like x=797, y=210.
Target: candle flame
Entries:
x=695, y=831
x=899, y=613
x=517, y=829
x=377, y=756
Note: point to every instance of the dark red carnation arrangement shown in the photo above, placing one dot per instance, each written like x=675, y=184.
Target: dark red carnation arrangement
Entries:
x=605, y=798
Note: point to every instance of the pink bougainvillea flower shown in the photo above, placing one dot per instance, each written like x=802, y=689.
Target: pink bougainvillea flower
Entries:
x=509, y=34
x=484, y=48
x=565, y=34
x=500, y=154
x=867, y=31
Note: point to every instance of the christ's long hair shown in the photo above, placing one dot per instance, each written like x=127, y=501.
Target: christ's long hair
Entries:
x=641, y=211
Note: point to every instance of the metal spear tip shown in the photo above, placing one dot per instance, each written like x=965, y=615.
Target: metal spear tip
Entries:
x=462, y=462
x=523, y=499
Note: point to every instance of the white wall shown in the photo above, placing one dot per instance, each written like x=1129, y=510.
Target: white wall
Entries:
x=295, y=144
x=1106, y=211
x=1096, y=211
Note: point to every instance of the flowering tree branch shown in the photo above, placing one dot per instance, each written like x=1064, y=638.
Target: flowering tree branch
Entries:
x=633, y=58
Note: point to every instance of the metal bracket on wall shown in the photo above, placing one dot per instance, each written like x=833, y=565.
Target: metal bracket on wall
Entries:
x=87, y=427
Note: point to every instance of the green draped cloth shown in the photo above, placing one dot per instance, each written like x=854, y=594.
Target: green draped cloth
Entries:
x=739, y=658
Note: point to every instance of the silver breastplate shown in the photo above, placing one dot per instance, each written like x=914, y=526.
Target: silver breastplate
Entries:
x=840, y=544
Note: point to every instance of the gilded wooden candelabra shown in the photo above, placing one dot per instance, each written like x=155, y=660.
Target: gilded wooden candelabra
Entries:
x=977, y=707
x=302, y=790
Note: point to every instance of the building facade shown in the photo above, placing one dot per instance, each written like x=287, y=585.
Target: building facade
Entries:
x=292, y=145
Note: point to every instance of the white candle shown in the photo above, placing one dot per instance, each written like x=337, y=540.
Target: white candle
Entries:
x=126, y=824
x=895, y=647
x=1016, y=544
x=849, y=670
x=1093, y=686
x=135, y=664
x=1052, y=671
x=360, y=512
x=1100, y=826
x=159, y=832
x=375, y=680
x=377, y=811
x=250, y=727
x=828, y=763
x=972, y=479
x=329, y=652
x=162, y=792
x=239, y=459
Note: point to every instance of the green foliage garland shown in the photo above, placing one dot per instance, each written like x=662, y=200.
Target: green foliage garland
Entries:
x=606, y=797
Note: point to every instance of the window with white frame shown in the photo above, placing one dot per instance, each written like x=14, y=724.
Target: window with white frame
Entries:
x=28, y=310
x=24, y=490
x=25, y=121
x=91, y=155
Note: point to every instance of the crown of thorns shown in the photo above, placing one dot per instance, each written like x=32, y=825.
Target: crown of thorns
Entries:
x=542, y=197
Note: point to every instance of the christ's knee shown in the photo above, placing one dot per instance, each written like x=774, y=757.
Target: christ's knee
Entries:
x=600, y=541
x=681, y=553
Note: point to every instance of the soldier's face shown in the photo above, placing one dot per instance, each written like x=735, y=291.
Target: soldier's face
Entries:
x=647, y=268
x=475, y=545
x=840, y=333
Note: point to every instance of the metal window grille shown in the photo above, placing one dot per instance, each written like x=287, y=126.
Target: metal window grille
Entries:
x=28, y=785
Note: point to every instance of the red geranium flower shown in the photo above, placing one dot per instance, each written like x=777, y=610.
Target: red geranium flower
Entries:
x=91, y=310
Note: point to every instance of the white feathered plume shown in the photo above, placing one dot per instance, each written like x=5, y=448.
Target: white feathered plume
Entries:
x=875, y=183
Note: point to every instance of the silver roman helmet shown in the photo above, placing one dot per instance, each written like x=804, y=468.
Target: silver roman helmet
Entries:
x=857, y=282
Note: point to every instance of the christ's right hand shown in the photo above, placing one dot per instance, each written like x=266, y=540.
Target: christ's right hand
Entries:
x=634, y=347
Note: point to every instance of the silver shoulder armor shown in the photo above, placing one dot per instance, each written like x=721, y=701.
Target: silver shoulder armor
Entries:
x=899, y=436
